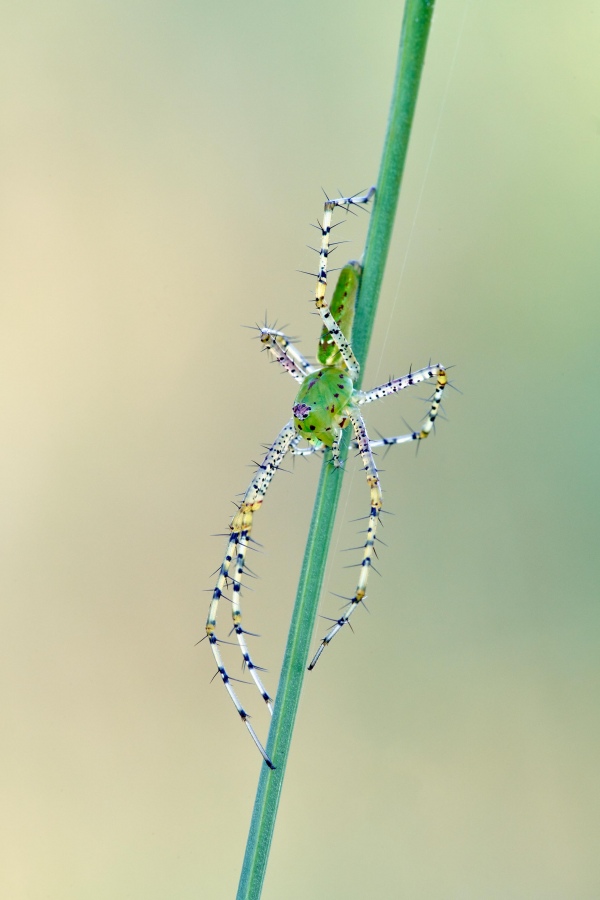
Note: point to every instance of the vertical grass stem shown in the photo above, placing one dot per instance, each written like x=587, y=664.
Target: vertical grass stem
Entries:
x=413, y=42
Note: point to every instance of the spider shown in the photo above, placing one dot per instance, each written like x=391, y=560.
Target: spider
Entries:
x=326, y=404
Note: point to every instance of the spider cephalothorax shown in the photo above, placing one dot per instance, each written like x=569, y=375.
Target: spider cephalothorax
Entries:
x=327, y=402
x=321, y=407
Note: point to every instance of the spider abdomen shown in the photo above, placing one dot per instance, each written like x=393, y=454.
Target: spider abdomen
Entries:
x=321, y=404
x=341, y=308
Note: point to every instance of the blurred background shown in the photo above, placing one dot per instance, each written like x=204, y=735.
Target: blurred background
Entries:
x=161, y=165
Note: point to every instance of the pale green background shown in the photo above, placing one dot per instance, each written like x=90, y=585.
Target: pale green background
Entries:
x=161, y=164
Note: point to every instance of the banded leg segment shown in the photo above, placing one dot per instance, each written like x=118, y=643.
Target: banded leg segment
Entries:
x=322, y=306
x=364, y=448
x=309, y=450
x=316, y=447
x=281, y=348
x=399, y=384
x=232, y=570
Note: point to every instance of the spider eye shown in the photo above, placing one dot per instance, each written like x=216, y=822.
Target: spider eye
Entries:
x=301, y=410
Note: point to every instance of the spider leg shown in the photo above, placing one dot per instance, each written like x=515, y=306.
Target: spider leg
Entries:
x=364, y=447
x=232, y=570
x=296, y=450
x=335, y=454
x=397, y=439
x=398, y=384
x=317, y=447
x=394, y=385
x=281, y=348
x=322, y=306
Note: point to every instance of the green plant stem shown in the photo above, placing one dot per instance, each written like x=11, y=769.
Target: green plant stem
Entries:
x=413, y=42
x=411, y=57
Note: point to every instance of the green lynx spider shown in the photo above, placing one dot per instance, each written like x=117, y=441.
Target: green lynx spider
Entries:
x=326, y=403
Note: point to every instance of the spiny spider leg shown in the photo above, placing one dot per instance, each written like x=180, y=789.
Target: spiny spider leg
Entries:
x=241, y=527
x=323, y=309
x=364, y=448
x=285, y=353
x=398, y=384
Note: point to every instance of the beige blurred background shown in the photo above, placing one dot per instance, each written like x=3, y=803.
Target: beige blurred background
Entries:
x=161, y=165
